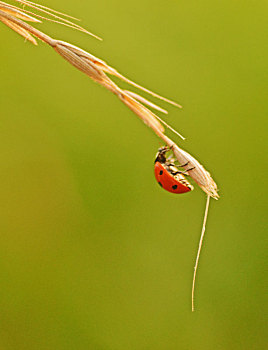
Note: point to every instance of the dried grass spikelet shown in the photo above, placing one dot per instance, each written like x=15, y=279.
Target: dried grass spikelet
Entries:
x=47, y=14
x=19, y=30
x=14, y=11
x=199, y=174
x=96, y=69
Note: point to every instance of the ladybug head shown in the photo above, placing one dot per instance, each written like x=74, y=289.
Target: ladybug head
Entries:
x=161, y=154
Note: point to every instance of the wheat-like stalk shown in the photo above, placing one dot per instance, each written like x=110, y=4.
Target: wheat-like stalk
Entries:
x=99, y=71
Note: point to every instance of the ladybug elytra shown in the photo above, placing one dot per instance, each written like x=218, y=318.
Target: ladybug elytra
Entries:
x=168, y=175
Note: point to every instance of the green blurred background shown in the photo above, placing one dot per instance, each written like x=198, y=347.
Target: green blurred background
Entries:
x=93, y=253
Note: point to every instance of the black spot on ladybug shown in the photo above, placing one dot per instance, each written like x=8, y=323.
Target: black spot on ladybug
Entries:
x=175, y=187
x=161, y=172
x=160, y=184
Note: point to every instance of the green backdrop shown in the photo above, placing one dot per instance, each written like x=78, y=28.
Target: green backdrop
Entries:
x=93, y=253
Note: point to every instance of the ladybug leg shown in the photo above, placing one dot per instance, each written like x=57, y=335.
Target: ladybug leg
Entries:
x=185, y=172
x=190, y=169
x=183, y=165
x=173, y=160
x=178, y=172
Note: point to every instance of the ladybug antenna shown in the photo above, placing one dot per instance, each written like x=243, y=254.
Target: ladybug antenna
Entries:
x=199, y=249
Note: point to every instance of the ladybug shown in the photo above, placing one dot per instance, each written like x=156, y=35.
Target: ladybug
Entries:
x=168, y=175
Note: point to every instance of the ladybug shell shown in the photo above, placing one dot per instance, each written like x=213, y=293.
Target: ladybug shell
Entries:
x=172, y=183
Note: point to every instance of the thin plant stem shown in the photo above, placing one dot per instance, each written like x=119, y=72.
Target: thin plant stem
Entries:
x=199, y=249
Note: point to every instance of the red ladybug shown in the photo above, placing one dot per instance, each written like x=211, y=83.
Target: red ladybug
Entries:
x=168, y=175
